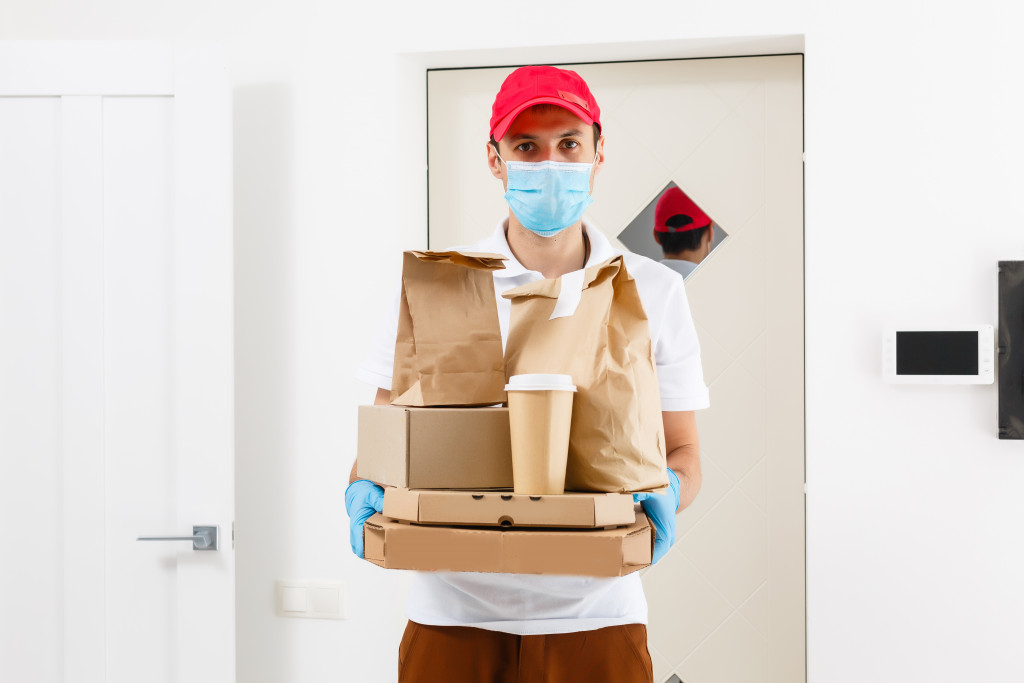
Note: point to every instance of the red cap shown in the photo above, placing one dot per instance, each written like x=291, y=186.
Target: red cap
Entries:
x=530, y=85
x=673, y=202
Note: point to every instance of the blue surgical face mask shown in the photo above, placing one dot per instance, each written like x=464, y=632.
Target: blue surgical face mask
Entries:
x=548, y=196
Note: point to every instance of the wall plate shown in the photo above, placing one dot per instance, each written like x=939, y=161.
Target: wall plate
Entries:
x=310, y=599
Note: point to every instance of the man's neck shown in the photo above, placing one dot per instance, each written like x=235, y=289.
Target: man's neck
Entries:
x=692, y=256
x=550, y=256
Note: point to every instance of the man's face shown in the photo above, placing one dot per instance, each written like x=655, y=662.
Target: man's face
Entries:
x=552, y=133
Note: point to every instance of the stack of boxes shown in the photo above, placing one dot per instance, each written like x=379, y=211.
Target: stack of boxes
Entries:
x=448, y=502
x=447, y=467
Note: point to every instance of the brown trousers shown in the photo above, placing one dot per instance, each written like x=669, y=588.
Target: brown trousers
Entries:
x=458, y=654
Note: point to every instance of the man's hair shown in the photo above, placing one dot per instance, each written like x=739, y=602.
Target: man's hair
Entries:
x=675, y=242
x=544, y=108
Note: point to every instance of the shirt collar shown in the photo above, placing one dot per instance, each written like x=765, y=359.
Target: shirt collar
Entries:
x=600, y=249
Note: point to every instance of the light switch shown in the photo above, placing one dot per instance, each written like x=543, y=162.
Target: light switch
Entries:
x=294, y=598
x=326, y=601
x=310, y=599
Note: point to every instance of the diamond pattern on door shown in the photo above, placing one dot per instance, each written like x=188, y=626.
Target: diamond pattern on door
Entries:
x=755, y=359
x=721, y=295
x=733, y=652
x=732, y=156
x=716, y=483
x=636, y=178
x=755, y=609
x=751, y=109
x=733, y=436
x=661, y=667
x=715, y=358
x=681, y=618
x=691, y=125
x=730, y=545
x=755, y=485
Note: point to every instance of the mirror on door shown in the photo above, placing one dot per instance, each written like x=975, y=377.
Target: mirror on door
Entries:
x=675, y=230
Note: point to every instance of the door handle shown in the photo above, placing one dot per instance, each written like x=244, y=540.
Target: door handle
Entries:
x=203, y=538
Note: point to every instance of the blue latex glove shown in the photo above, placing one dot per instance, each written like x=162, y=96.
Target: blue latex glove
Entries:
x=661, y=511
x=362, y=499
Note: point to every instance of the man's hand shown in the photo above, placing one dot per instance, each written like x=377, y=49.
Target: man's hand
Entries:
x=362, y=499
x=661, y=511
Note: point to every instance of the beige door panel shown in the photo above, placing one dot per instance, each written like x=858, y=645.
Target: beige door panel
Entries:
x=727, y=602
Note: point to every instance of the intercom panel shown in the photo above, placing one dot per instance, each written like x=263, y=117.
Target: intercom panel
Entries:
x=923, y=356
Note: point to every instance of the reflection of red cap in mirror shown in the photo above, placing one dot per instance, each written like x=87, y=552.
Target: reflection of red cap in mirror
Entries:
x=530, y=85
x=674, y=202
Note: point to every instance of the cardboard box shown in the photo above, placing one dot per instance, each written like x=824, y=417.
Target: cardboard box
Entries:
x=506, y=509
x=435, y=448
x=579, y=552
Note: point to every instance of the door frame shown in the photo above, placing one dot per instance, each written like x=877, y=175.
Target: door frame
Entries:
x=412, y=150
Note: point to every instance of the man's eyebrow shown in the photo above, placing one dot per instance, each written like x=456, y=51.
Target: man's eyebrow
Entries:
x=574, y=133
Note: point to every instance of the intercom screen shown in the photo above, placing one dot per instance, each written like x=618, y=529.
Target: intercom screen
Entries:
x=937, y=353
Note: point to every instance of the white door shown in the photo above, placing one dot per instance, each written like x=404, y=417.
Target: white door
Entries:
x=727, y=603
x=116, y=363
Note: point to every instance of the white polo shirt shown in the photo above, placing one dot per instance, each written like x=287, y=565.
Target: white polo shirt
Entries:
x=528, y=604
x=681, y=266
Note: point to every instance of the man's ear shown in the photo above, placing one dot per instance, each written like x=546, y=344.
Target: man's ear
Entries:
x=598, y=161
x=493, y=162
x=657, y=237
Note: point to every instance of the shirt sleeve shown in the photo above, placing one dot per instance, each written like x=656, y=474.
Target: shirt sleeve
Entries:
x=677, y=352
x=379, y=363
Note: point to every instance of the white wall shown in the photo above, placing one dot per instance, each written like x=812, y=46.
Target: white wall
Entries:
x=914, y=148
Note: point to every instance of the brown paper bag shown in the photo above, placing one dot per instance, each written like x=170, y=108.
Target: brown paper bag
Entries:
x=448, y=349
x=617, y=439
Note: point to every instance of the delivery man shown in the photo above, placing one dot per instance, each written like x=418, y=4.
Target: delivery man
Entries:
x=546, y=148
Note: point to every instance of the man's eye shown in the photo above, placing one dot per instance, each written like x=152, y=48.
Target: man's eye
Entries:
x=524, y=147
x=571, y=144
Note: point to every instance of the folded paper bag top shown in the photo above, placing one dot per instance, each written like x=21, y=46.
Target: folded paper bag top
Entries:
x=469, y=259
x=448, y=349
x=617, y=439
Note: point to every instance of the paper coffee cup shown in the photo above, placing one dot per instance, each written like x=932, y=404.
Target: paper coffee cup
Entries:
x=540, y=414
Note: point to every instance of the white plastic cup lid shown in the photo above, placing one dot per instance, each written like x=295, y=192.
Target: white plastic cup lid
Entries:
x=540, y=382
